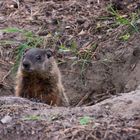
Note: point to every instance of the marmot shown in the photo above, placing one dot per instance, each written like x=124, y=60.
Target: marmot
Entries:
x=39, y=78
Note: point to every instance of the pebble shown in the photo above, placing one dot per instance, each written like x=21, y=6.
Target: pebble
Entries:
x=6, y=119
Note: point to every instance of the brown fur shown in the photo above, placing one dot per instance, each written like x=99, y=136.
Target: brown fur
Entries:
x=43, y=85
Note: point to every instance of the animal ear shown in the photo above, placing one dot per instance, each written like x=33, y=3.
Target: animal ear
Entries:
x=49, y=53
x=25, y=50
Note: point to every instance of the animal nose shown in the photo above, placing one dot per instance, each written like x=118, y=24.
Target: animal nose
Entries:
x=26, y=65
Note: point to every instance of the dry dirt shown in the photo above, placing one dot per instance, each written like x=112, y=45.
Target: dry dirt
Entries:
x=112, y=68
x=116, y=119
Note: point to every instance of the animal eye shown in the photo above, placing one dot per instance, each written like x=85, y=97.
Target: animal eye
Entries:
x=49, y=53
x=38, y=57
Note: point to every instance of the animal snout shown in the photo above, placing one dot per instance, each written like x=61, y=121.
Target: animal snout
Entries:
x=26, y=65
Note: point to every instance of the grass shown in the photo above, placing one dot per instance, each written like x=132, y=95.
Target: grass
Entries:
x=31, y=41
x=73, y=48
x=82, y=57
x=126, y=20
x=32, y=118
x=85, y=58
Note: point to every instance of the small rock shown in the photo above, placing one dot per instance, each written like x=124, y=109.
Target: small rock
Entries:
x=1, y=34
x=138, y=87
x=67, y=27
x=82, y=33
x=107, y=106
x=6, y=119
x=80, y=21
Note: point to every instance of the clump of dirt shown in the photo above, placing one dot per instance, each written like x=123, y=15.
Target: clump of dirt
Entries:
x=115, y=118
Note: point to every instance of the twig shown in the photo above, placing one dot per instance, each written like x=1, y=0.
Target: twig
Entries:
x=3, y=62
x=70, y=71
x=6, y=75
x=83, y=99
x=4, y=85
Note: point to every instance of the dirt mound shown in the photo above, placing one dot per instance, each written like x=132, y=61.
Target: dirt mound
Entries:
x=115, y=118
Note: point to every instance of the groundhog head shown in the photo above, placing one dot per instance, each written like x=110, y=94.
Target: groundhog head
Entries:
x=36, y=60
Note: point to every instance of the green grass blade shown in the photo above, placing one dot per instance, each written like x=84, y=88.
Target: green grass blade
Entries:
x=11, y=30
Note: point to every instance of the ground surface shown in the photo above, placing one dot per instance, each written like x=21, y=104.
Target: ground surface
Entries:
x=116, y=118
x=98, y=55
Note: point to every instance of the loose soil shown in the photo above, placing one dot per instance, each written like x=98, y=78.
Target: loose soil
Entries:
x=116, y=118
x=111, y=68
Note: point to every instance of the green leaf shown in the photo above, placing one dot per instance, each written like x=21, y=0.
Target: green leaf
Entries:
x=125, y=37
x=85, y=120
x=122, y=20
